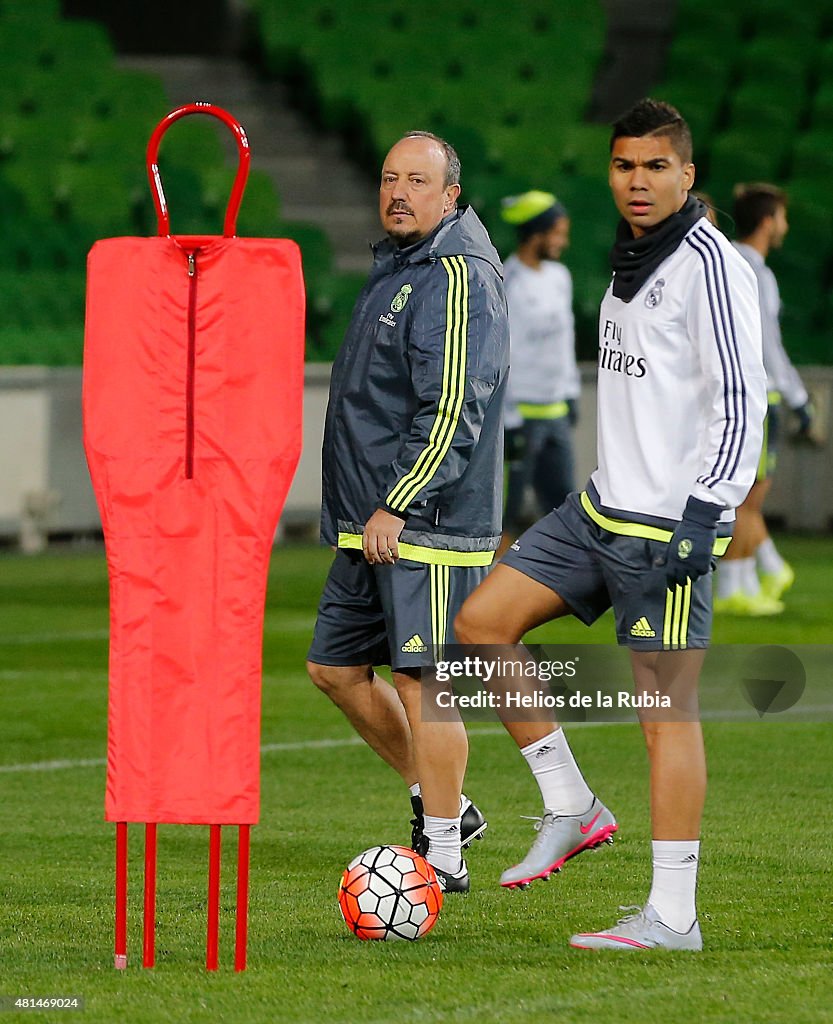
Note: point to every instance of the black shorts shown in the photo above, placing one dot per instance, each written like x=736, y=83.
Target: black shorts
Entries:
x=593, y=568
x=388, y=614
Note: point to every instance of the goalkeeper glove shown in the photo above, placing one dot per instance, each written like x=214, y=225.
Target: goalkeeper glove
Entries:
x=690, y=549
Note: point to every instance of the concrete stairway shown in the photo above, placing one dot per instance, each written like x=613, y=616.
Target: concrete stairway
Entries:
x=315, y=182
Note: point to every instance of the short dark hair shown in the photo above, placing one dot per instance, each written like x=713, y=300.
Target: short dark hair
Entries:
x=753, y=203
x=654, y=117
x=452, y=161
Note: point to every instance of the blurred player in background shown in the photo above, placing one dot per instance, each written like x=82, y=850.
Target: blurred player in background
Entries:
x=412, y=471
x=544, y=384
x=744, y=587
x=681, y=402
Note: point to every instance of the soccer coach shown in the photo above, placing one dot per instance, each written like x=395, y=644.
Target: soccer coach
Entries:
x=681, y=402
x=412, y=481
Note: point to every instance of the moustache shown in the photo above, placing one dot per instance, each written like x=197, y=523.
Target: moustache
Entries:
x=399, y=208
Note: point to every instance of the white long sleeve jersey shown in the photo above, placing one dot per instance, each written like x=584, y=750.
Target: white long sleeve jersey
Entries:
x=781, y=375
x=542, y=341
x=682, y=387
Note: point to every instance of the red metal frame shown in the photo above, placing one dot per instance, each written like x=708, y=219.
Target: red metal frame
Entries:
x=242, y=908
x=163, y=218
x=212, y=941
x=149, y=928
x=121, y=896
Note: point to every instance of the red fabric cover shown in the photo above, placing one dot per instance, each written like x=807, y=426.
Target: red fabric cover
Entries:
x=188, y=558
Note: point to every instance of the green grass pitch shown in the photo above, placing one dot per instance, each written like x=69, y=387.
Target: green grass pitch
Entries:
x=765, y=885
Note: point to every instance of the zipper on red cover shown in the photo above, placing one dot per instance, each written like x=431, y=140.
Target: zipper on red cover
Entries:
x=192, y=359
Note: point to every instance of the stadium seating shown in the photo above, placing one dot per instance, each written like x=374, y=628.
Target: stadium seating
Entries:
x=510, y=85
x=73, y=132
x=756, y=84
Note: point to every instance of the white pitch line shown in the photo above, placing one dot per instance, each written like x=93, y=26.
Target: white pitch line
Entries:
x=53, y=766
x=266, y=748
x=48, y=638
x=357, y=741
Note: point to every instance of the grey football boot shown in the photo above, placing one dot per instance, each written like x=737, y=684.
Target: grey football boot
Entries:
x=561, y=837
x=642, y=930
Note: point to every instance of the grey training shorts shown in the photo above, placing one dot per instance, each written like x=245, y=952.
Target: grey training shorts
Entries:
x=593, y=568
x=388, y=614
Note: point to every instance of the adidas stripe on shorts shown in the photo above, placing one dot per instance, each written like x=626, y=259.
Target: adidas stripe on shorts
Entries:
x=592, y=569
x=388, y=614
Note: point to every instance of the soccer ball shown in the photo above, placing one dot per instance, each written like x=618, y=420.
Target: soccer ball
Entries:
x=390, y=892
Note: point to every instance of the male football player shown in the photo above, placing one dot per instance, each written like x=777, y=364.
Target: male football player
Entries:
x=681, y=400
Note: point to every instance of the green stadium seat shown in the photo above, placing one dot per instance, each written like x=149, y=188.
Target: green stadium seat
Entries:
x=91, y=195
x=821, y=114
x=259, y=212
x=720, y=22
x=80, y=42
x=116, y=143
x=756, y=106
x=786, y=18
x=316, y=253
x=585, y=150
x=26, y=44
x=697, y=63
x=745, y=156
x=34, y=12
x=813, y=156
x=810, y=215
x=40, y=298
x=331, y=309
x=777, y=60
x=824, y=64
x=134, y=97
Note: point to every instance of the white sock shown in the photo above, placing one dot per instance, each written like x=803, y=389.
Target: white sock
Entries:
x=561, y=783
x=751, y=583
x=675, y=882
x=443, y=836
x=729, y=578
x=769, y=560
x=464, y=800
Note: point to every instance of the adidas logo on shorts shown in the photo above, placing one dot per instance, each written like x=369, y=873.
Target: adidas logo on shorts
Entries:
x=642, y=628
x=416, y=645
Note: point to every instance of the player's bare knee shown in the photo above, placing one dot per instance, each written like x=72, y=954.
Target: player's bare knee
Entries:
x=332, y=679
x=463, y=626
x=319, y=674
x=468, y=627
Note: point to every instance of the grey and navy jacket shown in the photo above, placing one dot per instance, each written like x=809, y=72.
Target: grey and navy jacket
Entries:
x=414, y=422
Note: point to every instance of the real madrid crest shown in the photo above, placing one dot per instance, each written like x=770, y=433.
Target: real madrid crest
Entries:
x=401, y=298
x=654, y=296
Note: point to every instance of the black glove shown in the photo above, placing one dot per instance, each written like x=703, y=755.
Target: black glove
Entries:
x=804, y=414
x=572, y=411
x=690, y=548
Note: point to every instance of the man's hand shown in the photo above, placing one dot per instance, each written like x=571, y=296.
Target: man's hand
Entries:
x=804, y=415
x=380, y=542
x=690, y=548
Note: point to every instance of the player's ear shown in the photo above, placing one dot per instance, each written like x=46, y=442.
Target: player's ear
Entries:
x=452, y=194
x=688, y=177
